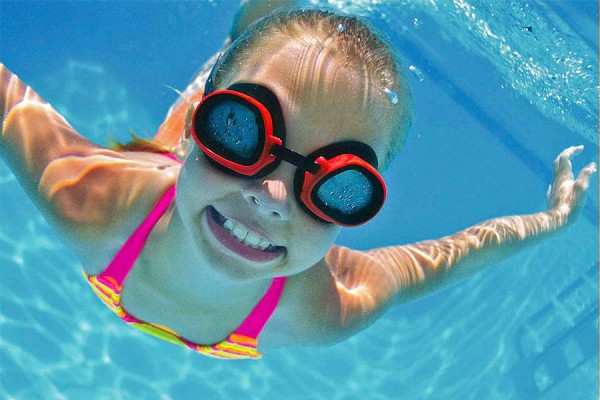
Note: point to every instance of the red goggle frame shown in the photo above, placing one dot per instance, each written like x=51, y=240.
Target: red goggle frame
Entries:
x=263, y=114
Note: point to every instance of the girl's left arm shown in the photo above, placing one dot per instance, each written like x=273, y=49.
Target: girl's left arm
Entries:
x=368, y=282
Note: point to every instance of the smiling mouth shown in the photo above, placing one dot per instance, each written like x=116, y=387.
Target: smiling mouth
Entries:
x=240, y=240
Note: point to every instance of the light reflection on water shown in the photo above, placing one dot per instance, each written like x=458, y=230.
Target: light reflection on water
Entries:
x=59, y=341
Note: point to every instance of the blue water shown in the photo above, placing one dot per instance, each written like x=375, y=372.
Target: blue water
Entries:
x=500, y=88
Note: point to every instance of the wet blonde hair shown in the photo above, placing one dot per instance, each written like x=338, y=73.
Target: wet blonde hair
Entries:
x=361, y=44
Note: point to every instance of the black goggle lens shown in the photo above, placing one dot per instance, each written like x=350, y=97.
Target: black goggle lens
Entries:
x=232, y=128
x=347, y=193
x=351, y=196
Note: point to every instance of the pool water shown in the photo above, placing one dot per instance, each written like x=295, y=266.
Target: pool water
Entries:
x=500, y=88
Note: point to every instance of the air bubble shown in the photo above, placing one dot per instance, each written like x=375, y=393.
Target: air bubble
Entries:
x=417, y=73
x=392, y=95
x=341, y=28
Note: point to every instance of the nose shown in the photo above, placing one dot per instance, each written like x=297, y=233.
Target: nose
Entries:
x=269, y=198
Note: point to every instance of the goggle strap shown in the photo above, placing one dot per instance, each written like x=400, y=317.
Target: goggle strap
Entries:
x=209, y=86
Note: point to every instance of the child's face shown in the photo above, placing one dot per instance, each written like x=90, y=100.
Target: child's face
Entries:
x=320, y=108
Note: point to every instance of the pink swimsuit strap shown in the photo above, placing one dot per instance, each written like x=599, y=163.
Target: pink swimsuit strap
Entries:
x=123, y=261
x=260, y=315
x=125, y=258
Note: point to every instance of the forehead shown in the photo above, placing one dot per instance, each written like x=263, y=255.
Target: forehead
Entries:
x=324, y=98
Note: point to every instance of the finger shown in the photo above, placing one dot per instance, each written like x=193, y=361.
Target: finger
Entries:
x=562, y=163
x=563, y=167
x=583, y=180
x=573, y=151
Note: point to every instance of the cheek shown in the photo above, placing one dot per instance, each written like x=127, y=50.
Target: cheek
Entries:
x=199, y=183
x=313, y=239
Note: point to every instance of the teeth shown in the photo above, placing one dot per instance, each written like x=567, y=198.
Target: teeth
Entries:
x=229, y=224
x=252, y=239
x=243, y=235
x=240, y=233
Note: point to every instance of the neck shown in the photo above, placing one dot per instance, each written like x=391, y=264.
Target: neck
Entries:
x=178, y=272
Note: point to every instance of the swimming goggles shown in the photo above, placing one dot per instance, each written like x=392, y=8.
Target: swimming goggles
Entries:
x=242, y=131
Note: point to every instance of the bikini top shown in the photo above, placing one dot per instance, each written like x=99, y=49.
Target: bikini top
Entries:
x=242, y=343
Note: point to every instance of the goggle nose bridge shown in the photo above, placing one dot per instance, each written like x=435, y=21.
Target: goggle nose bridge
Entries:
x=296, y=159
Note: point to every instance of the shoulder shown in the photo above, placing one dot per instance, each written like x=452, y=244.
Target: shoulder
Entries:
x=308, y=312
x=94, y=197
x=99, y=199
x=331, y=301
x=86, y=188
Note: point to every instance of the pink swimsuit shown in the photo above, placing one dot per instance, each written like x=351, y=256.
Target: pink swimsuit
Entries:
x=242, y=343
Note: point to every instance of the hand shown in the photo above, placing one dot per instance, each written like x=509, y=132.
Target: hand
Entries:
x=567, y=194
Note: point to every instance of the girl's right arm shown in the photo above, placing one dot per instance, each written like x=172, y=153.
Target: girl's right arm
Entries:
x=34, y=136
x=93, y=196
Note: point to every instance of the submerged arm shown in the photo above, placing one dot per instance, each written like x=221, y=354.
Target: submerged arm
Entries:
x=89, y=193
x=372, y=280
x=33, y=134
x=424, y=267
x=421, y=268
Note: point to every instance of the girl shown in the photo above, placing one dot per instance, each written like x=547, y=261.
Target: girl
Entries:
x=223, y=227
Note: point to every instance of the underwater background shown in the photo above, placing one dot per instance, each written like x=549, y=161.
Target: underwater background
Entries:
x=500, y=88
